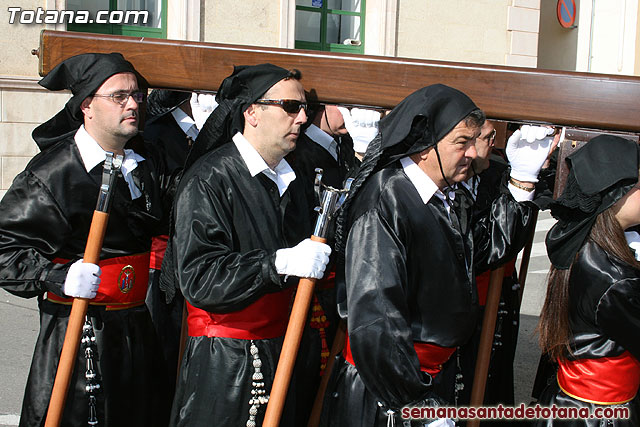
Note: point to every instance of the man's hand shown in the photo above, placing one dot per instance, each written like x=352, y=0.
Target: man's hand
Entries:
x=82, y=280
x=362, y=125
x=527, y=150
x=307, y=259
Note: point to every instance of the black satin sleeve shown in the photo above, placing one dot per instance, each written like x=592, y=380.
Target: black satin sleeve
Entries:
x=213, y=274
x=32, y=229
x=618, y=314
x=378, y=304
x=500, y=229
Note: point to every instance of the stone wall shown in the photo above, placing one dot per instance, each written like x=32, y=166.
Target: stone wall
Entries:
x=23, y=106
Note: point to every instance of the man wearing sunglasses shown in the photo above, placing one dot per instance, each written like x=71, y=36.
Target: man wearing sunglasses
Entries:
x=44, y=226
x=239, y=247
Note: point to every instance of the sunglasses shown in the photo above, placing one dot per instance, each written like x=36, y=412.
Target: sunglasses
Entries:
x=291, y=106
x=121, y=98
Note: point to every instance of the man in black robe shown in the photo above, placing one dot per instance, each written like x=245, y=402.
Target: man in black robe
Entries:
x=324, y=144
x=486, y=183
x=408, y=290
x=171, y=128
x=239, y=215
x=44, y=225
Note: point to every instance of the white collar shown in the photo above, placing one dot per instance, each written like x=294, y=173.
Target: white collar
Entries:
x=323, y=139
x=283, y=175
x=186, y=123
x=425, y=185
x=92, y=155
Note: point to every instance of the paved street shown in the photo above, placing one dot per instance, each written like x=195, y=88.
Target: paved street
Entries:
x=19, y=320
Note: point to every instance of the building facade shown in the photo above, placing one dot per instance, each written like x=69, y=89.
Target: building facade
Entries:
x=523, y=33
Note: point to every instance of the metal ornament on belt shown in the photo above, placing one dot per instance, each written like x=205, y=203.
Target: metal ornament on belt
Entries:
x=331, y=199
x=127, y=279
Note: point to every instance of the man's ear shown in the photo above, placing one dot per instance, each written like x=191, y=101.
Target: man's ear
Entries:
x=85, y=107
x=425, y=153
x=250, y=115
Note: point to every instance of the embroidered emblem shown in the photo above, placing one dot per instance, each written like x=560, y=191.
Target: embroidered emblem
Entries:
x=127, y=279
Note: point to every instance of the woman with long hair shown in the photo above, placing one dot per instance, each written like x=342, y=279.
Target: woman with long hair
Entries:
x=590, y=321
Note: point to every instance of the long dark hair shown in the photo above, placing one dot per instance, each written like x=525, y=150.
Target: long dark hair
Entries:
x=554, y=327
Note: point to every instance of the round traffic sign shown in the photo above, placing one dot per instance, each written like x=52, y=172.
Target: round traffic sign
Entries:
x=566, y=13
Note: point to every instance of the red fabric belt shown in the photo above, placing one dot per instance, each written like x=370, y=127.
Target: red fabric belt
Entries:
x=123, y=282
x=482, y=281
x=264, y=319
x=158, y=248
x=604, y=381
x=431, y=356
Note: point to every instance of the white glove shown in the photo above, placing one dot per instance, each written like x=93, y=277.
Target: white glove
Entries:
x=633, y=239
x=202, y=105
x=307, y=259
x=82, y=280
x=362, y=125
x=527, y=150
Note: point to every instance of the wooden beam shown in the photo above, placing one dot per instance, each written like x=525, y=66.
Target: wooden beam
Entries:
x=596, y=101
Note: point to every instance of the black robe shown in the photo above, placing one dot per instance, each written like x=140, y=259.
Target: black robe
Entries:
x=604, y=317
x=45, y=215
x=166, y=135
x=227, y=230
x=406, y=281
x=500, y=384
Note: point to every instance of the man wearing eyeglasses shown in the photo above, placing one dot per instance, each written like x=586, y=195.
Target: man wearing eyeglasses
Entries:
x=238, y=248
x=44, y=226
x=490, y=184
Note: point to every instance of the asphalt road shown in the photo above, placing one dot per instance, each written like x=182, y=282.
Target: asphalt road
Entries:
x=20, y=324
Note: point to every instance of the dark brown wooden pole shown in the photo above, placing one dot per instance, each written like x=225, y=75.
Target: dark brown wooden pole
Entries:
x=526, y=256
x=74, y=327
x=290, y=347
x=336, y=347
x=486, y=340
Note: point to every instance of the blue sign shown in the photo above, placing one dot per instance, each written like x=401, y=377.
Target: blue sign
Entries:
x=566, y=13
x=316, y=3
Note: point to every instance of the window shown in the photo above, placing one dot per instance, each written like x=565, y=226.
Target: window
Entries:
x=123, y=17
x=330, y=25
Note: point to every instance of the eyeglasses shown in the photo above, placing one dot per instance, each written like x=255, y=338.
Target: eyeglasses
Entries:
x=121, y=98
x=490, y=138
x=291, y=106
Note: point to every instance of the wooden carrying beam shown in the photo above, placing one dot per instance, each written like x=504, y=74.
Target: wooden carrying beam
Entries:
x=595, y=101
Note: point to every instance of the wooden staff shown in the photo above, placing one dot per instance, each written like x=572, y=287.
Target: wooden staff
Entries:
x=80, y=305
x=332, y=199
x=486, y=340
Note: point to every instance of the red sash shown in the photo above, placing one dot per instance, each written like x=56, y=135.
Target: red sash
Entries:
x=604, y=381
x=264, y=319
x=123, y=282
x=158, y=248
x=431, y=356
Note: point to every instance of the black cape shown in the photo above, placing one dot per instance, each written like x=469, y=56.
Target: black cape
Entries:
x=604, y=319
x=45, y=215
x=228, y=226
x=406, y=280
